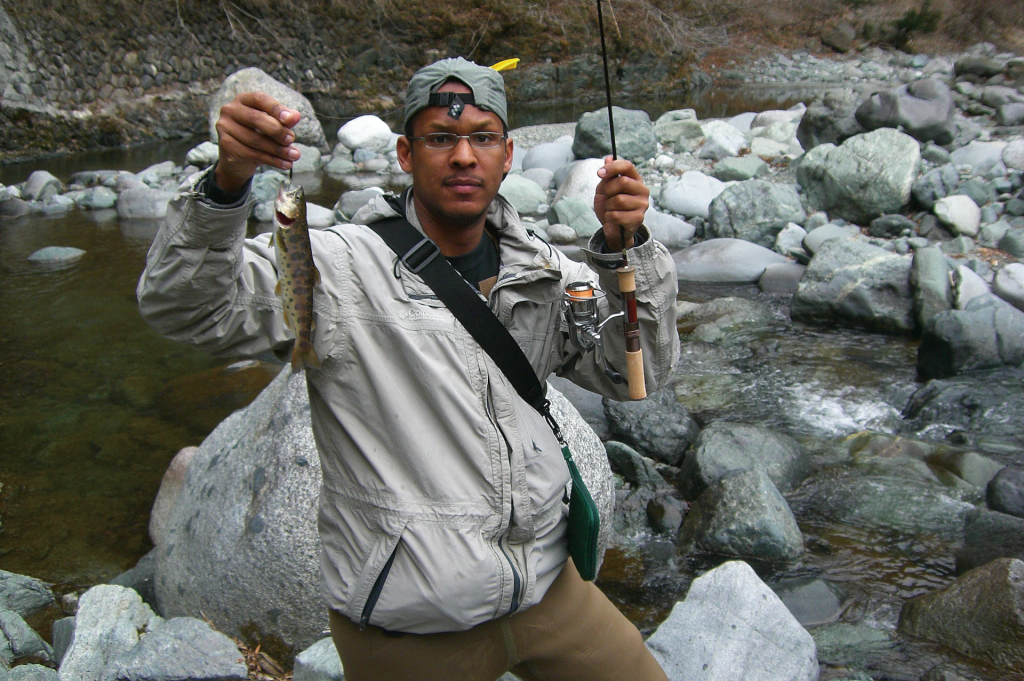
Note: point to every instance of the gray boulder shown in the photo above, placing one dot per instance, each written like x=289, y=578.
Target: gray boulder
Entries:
x=18, y=640
x=816, y=237
x=923, y=109
x=659, y=427
x=679, y=131
x=576, y=213
x=830, y=120
x=550, y=155
x=368, y=133
x=241, y=543
x=308, y=130
x=525, y=195
x=988, y=333
x=790, y=239
x=183, y=649
x=580, y=182
x=203, y=155
x=1013, y=155
x=542, y=177
x=140, y=578
x=29, y=672
x=1006, y=491
x=635, y=468
x=726, y=321
x=722, y=448
x=14, y=208
x=691, y=195
x=980, y=192
x=109, y=621
x=812, y=602
x=731, y=626
x=782, y=278
x=967, y=285
x=143, y=202
x=1009, y=284
x=890, y=226
x=989, y=535
x=929, y=279
x=634, y=135
x=983, y=157
x=1013, y=242
x=841, y=37
x=97, y=198
x=867, y=176
x=856, y=284
x=725, y=261
x=853, y=645
x=23, y=595
x=754, y=211
x=668, y=229
x=351, y=201
x=40, y=186
x=960, y=214
x=741, y=168
x=63, y=637
x=1010, y=114
x=319, y=662
x=978, y=65
x=155, y=175
x=980, y=615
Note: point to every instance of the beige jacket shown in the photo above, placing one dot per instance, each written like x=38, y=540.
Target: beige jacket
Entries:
x=429, y=456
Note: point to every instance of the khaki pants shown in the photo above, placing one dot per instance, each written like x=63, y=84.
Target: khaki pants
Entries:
x=573, y=634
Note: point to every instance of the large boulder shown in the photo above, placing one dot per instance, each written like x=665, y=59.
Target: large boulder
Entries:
x=856, y=284
x=143, y=203
x=550, y=155
x=525, y=195
x=725, y=261
x=1005, y=492
x=867, y=176
x=732, y=626
x=182, y=648
x=723, y=140
x=679, y=131
x=40, y=186
x=669, y=230
x=960, y=213
x=983, y=157
x=923, y=109
x=23, y=595
x=754, y=211
x=726, y=321
x=18, y=640
x=723, y=447
x=1009, y=284
x=365, y=132
x=634, y=135
x=743, y=515
x=242, y=546
x=307, y=131
x=108, y=624
x=988, y=333
x=980, y=615
x=929, y=280
x=659, y=427
x=580, y=182
x=989, y=535
x=319, y=662
x=830, y=120
x=691, y=195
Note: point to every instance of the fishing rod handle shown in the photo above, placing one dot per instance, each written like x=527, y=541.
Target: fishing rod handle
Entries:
x=631, y=329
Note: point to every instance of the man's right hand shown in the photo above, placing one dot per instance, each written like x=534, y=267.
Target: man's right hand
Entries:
x=254, y=129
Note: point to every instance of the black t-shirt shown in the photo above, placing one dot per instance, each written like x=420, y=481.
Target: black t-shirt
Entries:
x=480, y=264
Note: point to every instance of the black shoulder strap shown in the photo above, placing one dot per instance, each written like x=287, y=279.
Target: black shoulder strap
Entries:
x=420, y=255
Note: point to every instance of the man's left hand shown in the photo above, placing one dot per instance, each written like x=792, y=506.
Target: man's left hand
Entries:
x=620, y=201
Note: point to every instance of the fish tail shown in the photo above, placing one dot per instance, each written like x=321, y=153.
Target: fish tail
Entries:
x=304, y=358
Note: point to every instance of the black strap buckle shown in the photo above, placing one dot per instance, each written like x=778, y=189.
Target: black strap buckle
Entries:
x=420, y=255
x=552, y=423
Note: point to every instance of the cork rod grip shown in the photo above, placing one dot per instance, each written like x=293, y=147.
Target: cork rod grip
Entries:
x=635, y=375
x=631, y=329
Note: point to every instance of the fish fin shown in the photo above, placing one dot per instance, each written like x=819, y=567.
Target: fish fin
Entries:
x=316, y=276
x=302, y=360
x=279, y=240
x=312, y=359
x=277, y=289
x=288, y=320
x=297, y=364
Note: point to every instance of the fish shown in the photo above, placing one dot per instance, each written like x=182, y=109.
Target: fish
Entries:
x=297, y=274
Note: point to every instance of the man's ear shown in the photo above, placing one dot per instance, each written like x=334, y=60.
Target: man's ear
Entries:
x=404, y=148
x=508, y=155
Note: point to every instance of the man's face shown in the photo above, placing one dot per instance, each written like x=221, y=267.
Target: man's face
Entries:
x=456, y=185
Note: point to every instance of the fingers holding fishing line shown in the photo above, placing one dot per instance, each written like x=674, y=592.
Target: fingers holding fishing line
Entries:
x=254, y=129
x=621, y=200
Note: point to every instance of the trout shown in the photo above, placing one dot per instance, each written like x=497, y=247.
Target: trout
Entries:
x=296, y=273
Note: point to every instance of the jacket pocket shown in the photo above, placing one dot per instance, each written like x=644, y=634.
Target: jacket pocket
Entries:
x=374, y=574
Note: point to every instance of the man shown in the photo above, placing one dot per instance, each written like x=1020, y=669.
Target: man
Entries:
x=441, y=514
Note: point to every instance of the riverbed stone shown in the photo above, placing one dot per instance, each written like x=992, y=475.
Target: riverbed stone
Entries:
x=732, y=626
x=961, y=245
x=97, y=198
x=812, y=602
x=29, y=672
x=18, y=640
x=980, y=615
x=856, y=284
x=1010, y=114
x=63, y=637
x=140, y=578
x=867, y=176
x=852, y=645
x=1013, y=242
x=1013, y=154
x=989, y=535
x=725, y=321
x=524, y=195
x=365, y=132
x=830, y=120
x=307, y=130
x=550, y=155
x=691, y=195
x=724, y=447
x=783, y=278
x=755, y=210
x=725, y=261
x=936, y=184
x=14, y=208
x=319, y=662
x=23, y=595
x=988, y=333
x=203, y=155
x=576, y=213
x=108, y=623
x=668, y=229
x=1009, y=284
x=143, y=203
x=350, y=202
x=659, y=427
x=634, y=135
x=929, y=279
x=40, y=186
x=740, y=168
x=56, y=255
x=256, y=568
x=923, y=109
x=580, y=182
x=960, y=213
x=816, y=237
x=542, y=177
x=967, y=285
x=679, y=130
x=981, y=156
x=182, y=648
x=790, y=238
x=722, y=144
x=1005, y=492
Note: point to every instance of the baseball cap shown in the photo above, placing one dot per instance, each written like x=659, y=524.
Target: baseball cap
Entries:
x=487, y=85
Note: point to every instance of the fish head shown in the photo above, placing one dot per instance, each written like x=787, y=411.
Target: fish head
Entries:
x=289, y=207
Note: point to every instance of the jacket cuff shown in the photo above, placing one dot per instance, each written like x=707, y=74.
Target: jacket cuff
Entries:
x=208, y=224
x=641, y=257
x=600, y=257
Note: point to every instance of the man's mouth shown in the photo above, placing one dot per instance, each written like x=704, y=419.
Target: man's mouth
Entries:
x=463, y=184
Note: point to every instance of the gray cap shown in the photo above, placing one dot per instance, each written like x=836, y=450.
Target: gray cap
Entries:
x=487, y=85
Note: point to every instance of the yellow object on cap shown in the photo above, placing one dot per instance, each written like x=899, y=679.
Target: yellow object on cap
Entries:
x=506, y=65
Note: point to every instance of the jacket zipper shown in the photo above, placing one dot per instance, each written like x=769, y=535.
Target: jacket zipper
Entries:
x=516, y=582
x=378, y=586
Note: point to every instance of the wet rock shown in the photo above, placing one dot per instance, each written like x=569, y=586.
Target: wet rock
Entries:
x=841, y=37
x=1013, y=154
x=23, y=595
x=856, y=284
x=550, y=155
x=1010, y=114
x=1013, y=242
x=790, y=238
x=309, y=161
x=851, y=645
x=989, y=535
x=203, y=155
x=636, y=469
x=923, y=109
x=816, y=237
x=960, y=213
x=665, y=514
x=679, y=131
x=659, y=427
x=782, y=278
x=961, y=245
x=983, y=157
x=184, y=649
x=980, y=615
x=580, y=182
x=929, y=279
x=96, y=198
x=935, y=154
x=40, y=186
x=669, y=230
x=30, y=672
x=967, y=286
x=307, y=130
x=14, y=208
x=1009, y=285
x=936, y=184
x=319, y=662
x=754, y=211
x=1006, y=491
x=732, y=626
x=634, y=135
x=722, y=320
x=365, y=132
x=725, y=260
x=740, y=169
x=125, y=181
x=979, y=192
x=109, y=621
x=143, y=203
x=140, y=578
x=830, y=120
x=812, y=602
x=155, y=175
x=891, y=226
x=56, y=255
x=18, y=640
x=350, y=202
x=722, y=448
x=340, y=165
x=524, y=195
x=868, y=176
x=988, y=333
x=63, y=637
x=691, y=195
x=970, y=467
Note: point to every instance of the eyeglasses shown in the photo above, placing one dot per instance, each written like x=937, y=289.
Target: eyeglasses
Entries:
x=447, y=140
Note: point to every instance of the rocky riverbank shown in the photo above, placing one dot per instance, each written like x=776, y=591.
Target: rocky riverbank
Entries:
x=886, y=545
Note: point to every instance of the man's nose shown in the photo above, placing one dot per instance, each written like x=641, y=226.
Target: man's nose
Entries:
x=463, y=154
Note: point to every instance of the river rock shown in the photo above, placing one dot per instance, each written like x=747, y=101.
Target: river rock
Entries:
x=891, y=226
x=63, y=637
x=1010, y=114
x=960, y=213
x=852, y=645
x=989, y=333
x=108, y=623
x=97, y=198
x=634, y=135
x=732, y=626
x=1005, y=492
x=550, y=155
x=18, y=640
x=691, y=195
x=183, y=649
x=636, y=469
x=365, y=132
x=561, y=234
x=722, y=320
x=783, y=278
x=989, y=535
x=580, y=182
x=740, y=169
x=967, y=285
x=14, y=208
x=724, y=261
x=722, y=140
x=936, y=184
x=929, y=279
x=669, y=230
x=722, y=448
x=140, y=578
x=981, y=156
x=1013, y=154
x=830, y=120
x=56, y=255
x=790, y=238
x=978, y=65
x=29, y=672
x=990, y=235
x=542, y=177
x=659, y=427
x=1013, y=242
x=40, y=186
x=307, y=130
x=23, y=595
x=576, y=213
x=309, y=160
x=155, y=175
x=319, y=662
x=812, y=602
x=856, y=284
x=841, y=37
x=980, y=615
x=679, y=131
x=203, y=155
x=1009, y=285
x=524, y=195
x=755, y=211
x=143, y=203
x=867, y=176
x=352, y=201
x=923, y=109
x=252, y=563
x=743, y=514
